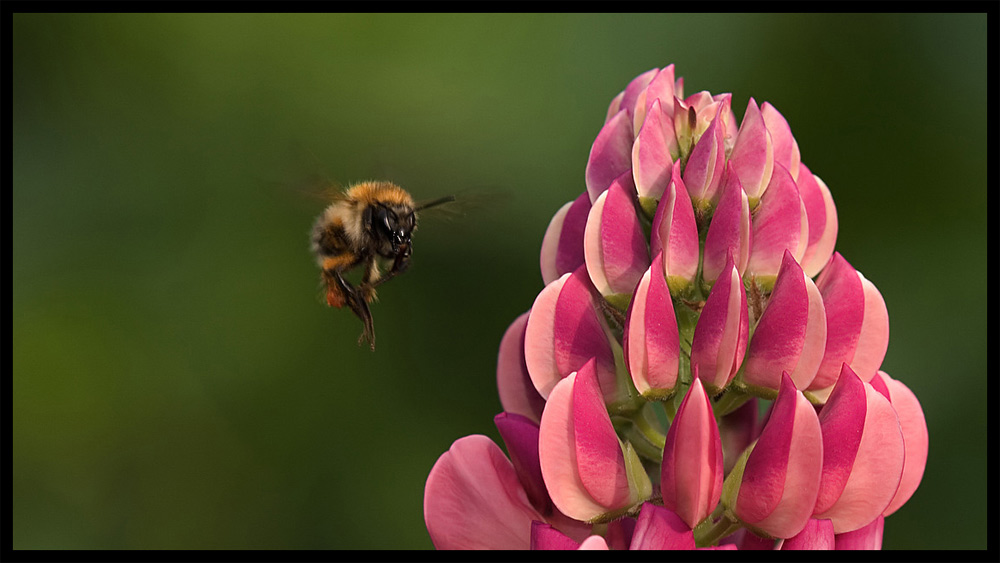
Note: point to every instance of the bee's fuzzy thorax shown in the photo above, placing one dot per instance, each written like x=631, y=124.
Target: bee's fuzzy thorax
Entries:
x=374, y=192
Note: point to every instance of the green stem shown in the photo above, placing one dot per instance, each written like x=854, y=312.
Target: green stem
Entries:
x=707, y=536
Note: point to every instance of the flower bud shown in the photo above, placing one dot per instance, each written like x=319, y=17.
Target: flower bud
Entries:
x=589, y=473
x=915, y=439
x=562, y=246
x=517, y=392
x=786, y=150
x=729, y=231
x=651, y=341
x=822, y=219
x=779, y=224
x=614, y=246
x=660, y=528
x=774, y=485
x=691, y=472
x=790, y=335
x=720, y=338
x=862, y=454
x=611, y=154
x=752, y=157
x=652, y=163
x=706, y=165
x=675, y=233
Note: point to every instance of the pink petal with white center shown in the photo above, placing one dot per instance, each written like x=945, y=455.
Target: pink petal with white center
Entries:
x=593, y=543
x=730, y=230
x=651, y=342
x=581, y=334
x=539, y=338
x=779, y=224
x=614, y=246
x=818, y=534
x=862, y=454
x=662, y=88
x=786, y=150
x=857, y=325
x=790, y=335
x=635, y=90
x=822, y=215
x=545, y=537
x=706, y=165
x=915, y=438
x=660, y=528
x=651, y=153
x=675, y=234
x=473, y=499
x=720, y=337
x=691, y=472
x=867, y=537
x=781, y=477
x=562, y=246
x=611, y=154
x=599, y=460
x=517, y=392
x=752, y=157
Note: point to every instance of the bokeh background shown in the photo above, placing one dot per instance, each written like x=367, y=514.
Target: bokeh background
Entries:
x=178, y=382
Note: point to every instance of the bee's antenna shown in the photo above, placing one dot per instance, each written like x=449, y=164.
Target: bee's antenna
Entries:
x=436, y=202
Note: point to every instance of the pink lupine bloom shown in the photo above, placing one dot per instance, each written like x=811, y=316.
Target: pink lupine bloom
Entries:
x=691, y=284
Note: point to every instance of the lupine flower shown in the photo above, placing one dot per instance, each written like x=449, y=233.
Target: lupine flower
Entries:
x=692, y=284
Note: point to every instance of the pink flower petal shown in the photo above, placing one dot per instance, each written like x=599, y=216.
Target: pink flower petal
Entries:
x=675, y=233
x=660, y=528
x=651, y=159
x=651, y=341
x=593, y=543
x=790, y=335
x=545, y=537
x=520, y=435
x=691, y=472
x=662, y=88
x=818, y=534
x=614, y=245
x=474, y=500
x=720, y=337
x=862, y=454
x=580, y=334
x=539, y=338
x=752, y=157
x=781, y=477
x=635, y=90
x=737, y=430
x=517, y=392
x=822, y=220
x=915, y=439
x=611, y=154
x=866, y=537
x=779, y=224
x=786, y=150
x=599, y=459
x=729, y=231
x=706, y=165
x=562, y=246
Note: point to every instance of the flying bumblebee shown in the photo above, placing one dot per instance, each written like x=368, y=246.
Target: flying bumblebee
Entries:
x=368, y=221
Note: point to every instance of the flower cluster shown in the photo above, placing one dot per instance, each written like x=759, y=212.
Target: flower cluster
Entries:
x=701, y=369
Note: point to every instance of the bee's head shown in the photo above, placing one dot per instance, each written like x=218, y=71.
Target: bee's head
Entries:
x=393, y=228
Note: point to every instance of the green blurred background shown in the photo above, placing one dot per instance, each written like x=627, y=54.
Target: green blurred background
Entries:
x=178, y=382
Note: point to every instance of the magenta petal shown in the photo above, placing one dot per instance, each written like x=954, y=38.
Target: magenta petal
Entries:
x=779, y=224
x=786, y=150
x=611, y=154
x=729, y=231
x=691, y=472
x=781, y=477
x=598, y=454
x=737, y=430
x=651, y=341
x=579, y=334
x=614, y=245
x=857, y=324
x=915, y=438
x=791, y=334
x=752, y=157
x=660, y=528
x=662, y=88
x=720, y=336
x=862, y=454
x=562, y=246
x=475, y=468
x=818, y=534
x=635, y=90
x=867, y=537
x=520, y=435
x=620, y=531
x=545, y=537
x=593, y=543
x=822, y=219
x=651, y=160
x=675, y=233
x=705, y=166
x=517, y=392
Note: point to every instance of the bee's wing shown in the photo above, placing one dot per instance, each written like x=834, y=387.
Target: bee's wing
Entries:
x=452, y=207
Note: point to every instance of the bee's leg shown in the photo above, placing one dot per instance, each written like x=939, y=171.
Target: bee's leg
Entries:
x=370, y=279
x=360, y=308
x=399, y=265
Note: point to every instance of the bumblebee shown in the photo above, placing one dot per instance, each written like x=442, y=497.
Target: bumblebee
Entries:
x=368, y=221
